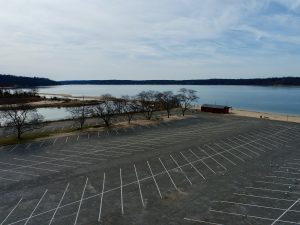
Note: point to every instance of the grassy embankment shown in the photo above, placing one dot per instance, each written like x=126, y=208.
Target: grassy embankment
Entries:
x=27, y=137
x=37, y=135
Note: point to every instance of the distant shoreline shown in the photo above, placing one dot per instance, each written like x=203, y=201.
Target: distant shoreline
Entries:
x=282, y=81
x=8, y=81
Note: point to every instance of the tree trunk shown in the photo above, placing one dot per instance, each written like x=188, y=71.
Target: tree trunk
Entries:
x=129, y=118
x=19, y=133
x=149, y=115
x=183, y=112
x=107, y=123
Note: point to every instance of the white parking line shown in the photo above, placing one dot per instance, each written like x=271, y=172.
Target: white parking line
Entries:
x=178, y=166
x=168, y=174
x=13, y=209
x=278, y=171
x=289, y=168
x=138, y=181
x=37, y=205
x=249, y=216
x=286, y=178
x=3, y=178
x=243, y=153
x=121, y=191
x=62, y=159
x=75, y=156
x=154, y=180
x=234, y=155
x=220, y=154
x=77, y=137
x=278, y=219
x=101, y=200
x=298, y=164
x=211, y=157
x=62, y=197
x=54, y=141
x=16, y=172
x=269, y=142
x=273, y=190
x=202, y=161
x=282, y=138
x=27, y=146
x=248, y=143
x=37, y=168
x=265, y=197
x=13, y=148
x=80, y=203
x=201, y=221
x=247, y=139
x=254, y=205
x=192, y=166
x=244, y=147
x=66, y=139
x=39, y=163
x=93, y=153
x=276, y=183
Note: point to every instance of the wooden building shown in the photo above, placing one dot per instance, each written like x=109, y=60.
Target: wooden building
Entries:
x=215, y=108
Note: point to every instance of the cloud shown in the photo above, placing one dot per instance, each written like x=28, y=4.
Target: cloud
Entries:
x=290, y=4
x=126, y=39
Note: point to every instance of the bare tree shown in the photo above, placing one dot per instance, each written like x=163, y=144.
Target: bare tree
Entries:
x=167, y=100
x=130, y=107
x=186, y=97
x=34, y=91
x=79, y=115
x=105, y=109
x=21, y=119
x=148, y=102
x=119, y=104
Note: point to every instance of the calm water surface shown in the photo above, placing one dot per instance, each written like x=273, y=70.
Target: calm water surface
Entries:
x=284, y=100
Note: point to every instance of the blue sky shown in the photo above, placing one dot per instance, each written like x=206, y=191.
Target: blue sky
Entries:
x=157, y=39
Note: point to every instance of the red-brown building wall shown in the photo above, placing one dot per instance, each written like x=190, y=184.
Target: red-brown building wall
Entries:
x=215, y=110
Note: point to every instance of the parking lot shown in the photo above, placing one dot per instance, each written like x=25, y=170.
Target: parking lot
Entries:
x=270, y=199
x=203, y=170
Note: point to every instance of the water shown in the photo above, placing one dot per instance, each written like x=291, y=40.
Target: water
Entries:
x=283, y=100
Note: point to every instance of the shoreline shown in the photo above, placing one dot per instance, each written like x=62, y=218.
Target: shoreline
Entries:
x=265, y=115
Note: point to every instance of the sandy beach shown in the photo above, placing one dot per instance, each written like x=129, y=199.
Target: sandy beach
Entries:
x=264, y=115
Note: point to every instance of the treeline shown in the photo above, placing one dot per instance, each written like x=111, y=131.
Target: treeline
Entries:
x=7, y=93
x=21, y=81
x=255, y=81
x=146, y=102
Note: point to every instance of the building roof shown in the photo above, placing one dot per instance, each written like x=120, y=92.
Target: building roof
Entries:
x=216, y=106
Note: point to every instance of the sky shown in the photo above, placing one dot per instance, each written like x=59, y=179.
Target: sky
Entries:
x=143, y=39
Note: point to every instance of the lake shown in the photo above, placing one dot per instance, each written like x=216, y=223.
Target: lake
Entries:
x=281, y=99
